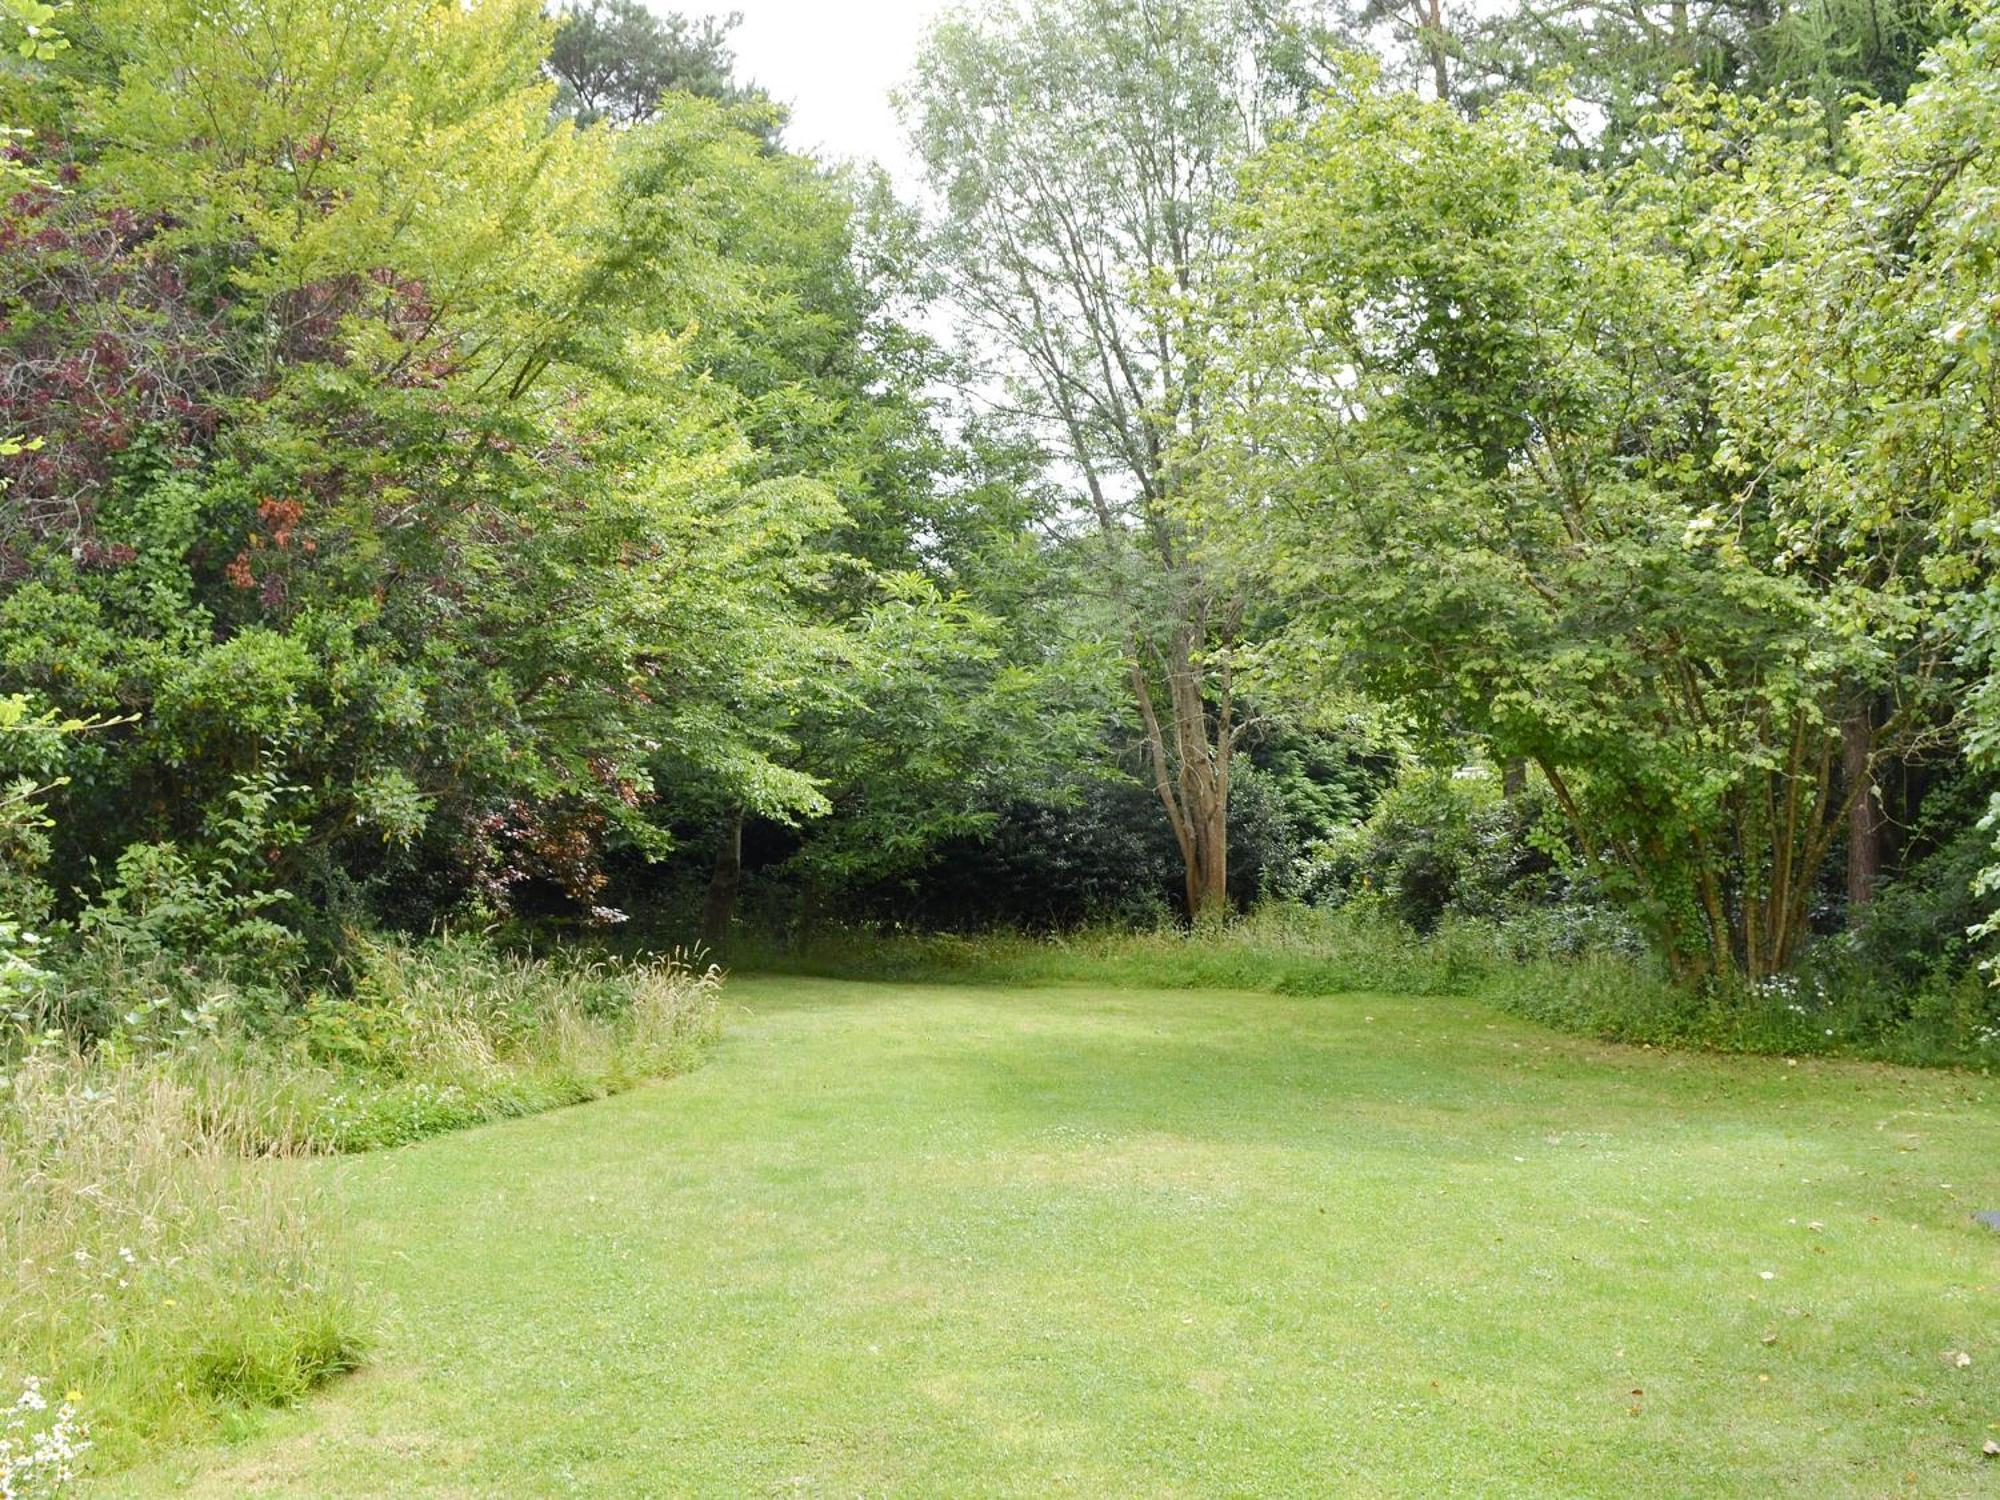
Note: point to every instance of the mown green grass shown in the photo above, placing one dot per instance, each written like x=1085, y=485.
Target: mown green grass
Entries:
x=1541, y=970
x=931, y=1241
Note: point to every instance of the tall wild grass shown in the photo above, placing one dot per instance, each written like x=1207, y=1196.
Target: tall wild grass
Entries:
x=1284, y=948
x=153, y=1266
x=170, y=1256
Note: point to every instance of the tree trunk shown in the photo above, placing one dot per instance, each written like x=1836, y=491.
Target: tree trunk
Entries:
x=1208, y=869
x=1430, y=23
x=718, y=911
x=1191, y=769
x=1513, y=777
x=1864, y=815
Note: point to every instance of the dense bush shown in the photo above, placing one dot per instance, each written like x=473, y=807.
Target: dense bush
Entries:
x=1448, y=842
x=1919, y=926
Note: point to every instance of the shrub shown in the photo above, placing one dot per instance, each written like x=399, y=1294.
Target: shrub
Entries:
x=1918, y=924
x=452, y=1033
x=1446, y=843
x=428, y=1038
x=214, y=910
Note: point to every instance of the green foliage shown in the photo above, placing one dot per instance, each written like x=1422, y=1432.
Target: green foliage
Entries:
x=1444, y=842
x=30, y=29
x=218, y=903
x=510, y=492
x=30, y=34
x=1918, y=932
x=1485, y=442
x=1624, y=60
x=1083, y=155
x=615, y=59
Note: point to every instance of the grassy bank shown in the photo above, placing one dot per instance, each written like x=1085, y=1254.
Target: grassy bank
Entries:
x=170, y=1263
x=1575, y=982
x=449, y=1035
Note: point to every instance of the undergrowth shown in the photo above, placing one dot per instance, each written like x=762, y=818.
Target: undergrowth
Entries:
x=454, y=1034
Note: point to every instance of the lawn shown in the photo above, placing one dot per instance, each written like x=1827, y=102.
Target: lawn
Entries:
x=906, y=1240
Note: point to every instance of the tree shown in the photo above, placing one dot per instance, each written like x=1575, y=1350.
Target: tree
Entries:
x=371, y=461
x=922, y=687
x=1476, y=432
x=616, y=59
x=1429, y=39
x=1860, y=370
x=1082, y=152
x=1621, y=59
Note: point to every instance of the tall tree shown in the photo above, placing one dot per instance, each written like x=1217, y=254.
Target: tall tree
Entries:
x=1082, y=152
x=1508, y=433
x=616, y=59
x=1863, y=370
x=1621, y=58
x=372, y=462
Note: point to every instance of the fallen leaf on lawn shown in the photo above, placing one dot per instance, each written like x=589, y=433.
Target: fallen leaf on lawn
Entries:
x=1770, y=1338
x=1958, y=1357
x=1992, y=1449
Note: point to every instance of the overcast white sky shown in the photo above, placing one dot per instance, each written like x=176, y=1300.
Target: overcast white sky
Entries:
x=834, y=62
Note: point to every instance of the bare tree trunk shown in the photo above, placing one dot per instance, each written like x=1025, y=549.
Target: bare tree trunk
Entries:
x=1208, y=873
x=1430, y=22
x=1513, y=777
x=718, y=911
x=1864, y=815
x=1191, y=774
